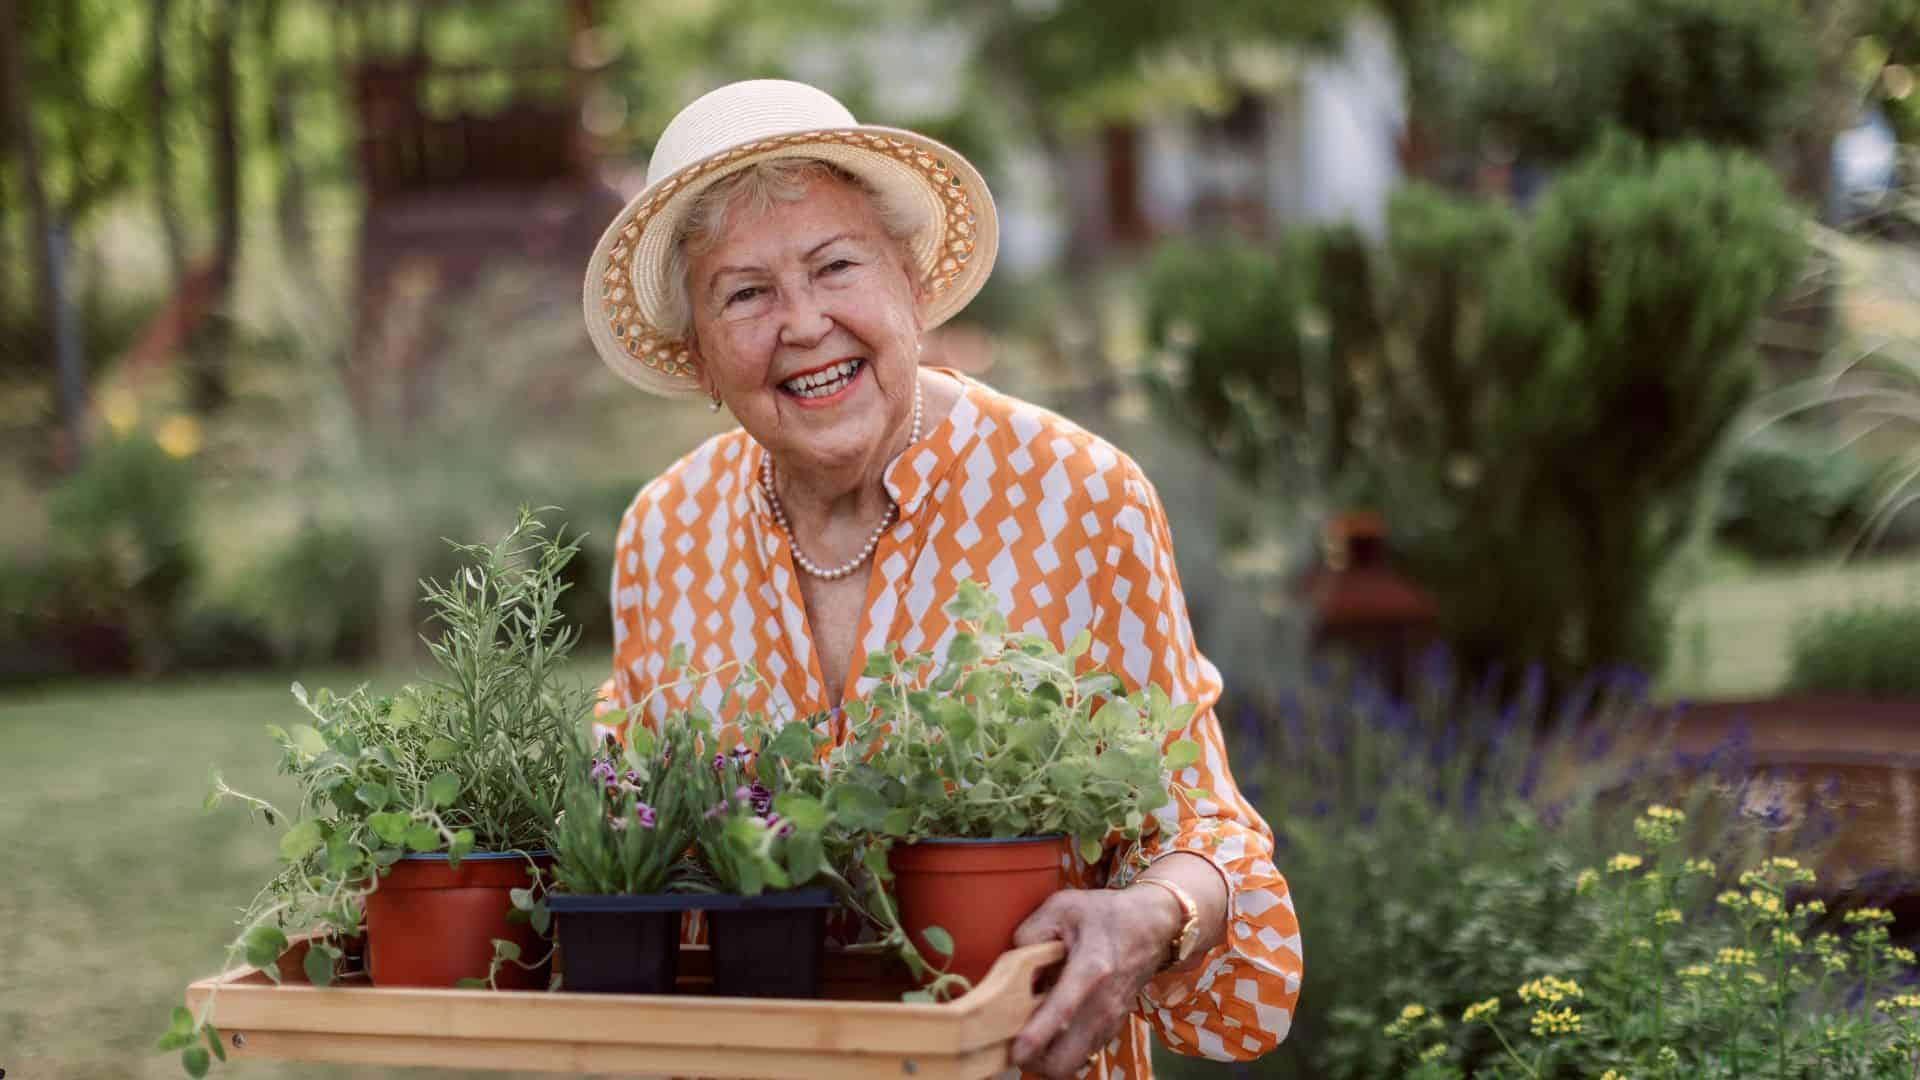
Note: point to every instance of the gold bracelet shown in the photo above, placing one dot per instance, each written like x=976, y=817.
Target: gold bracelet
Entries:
x=1184, y=939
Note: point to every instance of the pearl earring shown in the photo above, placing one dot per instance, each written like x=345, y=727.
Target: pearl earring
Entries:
x=713, y=404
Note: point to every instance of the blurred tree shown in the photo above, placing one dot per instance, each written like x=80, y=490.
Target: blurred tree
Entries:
x=208, y=381
x=1536, y=404
x=159, y=121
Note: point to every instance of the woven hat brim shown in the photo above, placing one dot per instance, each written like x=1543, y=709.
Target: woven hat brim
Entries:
x=624, y=292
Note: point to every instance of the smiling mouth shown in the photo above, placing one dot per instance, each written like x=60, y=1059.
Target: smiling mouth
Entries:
x=825, y=382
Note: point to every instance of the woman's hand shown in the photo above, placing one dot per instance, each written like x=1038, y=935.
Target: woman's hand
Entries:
x=1116, y=941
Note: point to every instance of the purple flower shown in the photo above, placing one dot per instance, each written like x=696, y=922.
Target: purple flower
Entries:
x=742, y=752
x=633, y=776
x=602, y=771
x=760, y=797
x=717, y=809
x=719, y=762
x=645, y=813
x=780, y=826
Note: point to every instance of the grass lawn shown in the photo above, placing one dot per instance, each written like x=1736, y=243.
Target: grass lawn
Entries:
x=123, y=890
x=1732, y=630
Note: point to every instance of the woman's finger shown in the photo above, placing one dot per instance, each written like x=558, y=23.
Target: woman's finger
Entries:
x=1085, y=969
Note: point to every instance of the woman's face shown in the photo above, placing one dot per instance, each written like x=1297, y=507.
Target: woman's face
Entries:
x=806, y=325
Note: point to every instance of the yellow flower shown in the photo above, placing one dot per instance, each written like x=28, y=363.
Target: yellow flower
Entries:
x=120, y=409
x=1623, y=862
x=1555, y=1022
x=1899, y=1001
x=1785, y=938
x=1666, y=813
x=1667, y=917
x=1699, y=866
x=1585, y=880
x=1695, y=971
x=1413, y=1012
x=1550, y=990
x=178, y=436
x=1731, y=899
x=1434, y=1052
x=1756, y=978
x=1900, y=953
x=1611, y=1075
x=1868, y=916
x=1813, y=907
x=1735, y=957
x=1480, y=1010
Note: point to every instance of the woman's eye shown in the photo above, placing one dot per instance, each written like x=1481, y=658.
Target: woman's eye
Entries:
x=743, y=295
x=837, y=265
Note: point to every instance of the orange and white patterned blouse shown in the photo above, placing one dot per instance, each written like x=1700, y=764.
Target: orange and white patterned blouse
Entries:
x=1067, y=534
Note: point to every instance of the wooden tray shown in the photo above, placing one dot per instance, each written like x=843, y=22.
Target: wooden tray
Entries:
x=860, y=1029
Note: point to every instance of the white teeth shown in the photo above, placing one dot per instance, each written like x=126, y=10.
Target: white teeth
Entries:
x=825, y=382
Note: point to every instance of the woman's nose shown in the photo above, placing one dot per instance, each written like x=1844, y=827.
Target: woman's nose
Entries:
x=804, y=318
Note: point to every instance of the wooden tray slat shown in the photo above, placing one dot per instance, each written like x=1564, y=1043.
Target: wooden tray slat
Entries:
x=866, y=1032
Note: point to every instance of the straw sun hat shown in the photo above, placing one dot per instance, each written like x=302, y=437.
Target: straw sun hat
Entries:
x=746, y=122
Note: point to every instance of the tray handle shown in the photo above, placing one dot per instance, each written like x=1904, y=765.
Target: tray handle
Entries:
x=1008, y=995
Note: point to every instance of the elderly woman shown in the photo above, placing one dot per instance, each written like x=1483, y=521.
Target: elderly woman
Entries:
x=784, y=262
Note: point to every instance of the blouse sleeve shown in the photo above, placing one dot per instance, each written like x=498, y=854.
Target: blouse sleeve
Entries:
x=1238, y=1002
x=629, y=623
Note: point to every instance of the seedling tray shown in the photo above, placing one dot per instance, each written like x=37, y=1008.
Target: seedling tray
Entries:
x=860, y=1029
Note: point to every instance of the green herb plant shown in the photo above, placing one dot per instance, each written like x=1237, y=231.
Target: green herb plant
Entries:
x=1000, y=739
x=473, y=760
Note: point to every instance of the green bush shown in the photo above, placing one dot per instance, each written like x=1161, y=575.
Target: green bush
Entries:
x=1727, y=72
x=123, y=542
x=1533, y=402
x=315, y=598
x=1788, y=493
x=1864, y=650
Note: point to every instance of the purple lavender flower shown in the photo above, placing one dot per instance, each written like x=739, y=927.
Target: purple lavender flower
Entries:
x=719, y=762
x=602, y=771
x=717, y=809
x=742, y=752
x=644, y=813
x=760, y=797
x=633, y=776
x=779, y=825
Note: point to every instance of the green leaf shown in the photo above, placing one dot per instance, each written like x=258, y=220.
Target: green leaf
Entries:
x=856, y=807
x=804, y=811
x=374, y=795
x=938, y=940
x=1090, y=849
x=1112, y=766
x=443, y=789
x=1181, y=754
x=804, y=857
x=301, y=841
x=195, y=1060
x=917, y=997
x=1080, y=645
x=794, y=742
x=677, y=656
x=214, y=784
x=213, y=1041
x=963, y=649
x=403, y=712
x=308, y=740
x=878, y=665
x=461, y=844
x=179, y=1029
x=505, y=949
x=390, y=827
x=541, y=918
x=442, y=749
x=423, y=837
x=342, y=856
x=318, y=965
x=264, y=946
x=897, y=822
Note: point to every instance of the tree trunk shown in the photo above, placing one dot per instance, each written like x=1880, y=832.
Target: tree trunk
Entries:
x=42, y=228
x=290, y=200
x=208, y=389
x=159, y=112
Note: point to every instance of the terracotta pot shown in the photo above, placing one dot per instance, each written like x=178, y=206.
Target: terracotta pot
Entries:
x=430, y=924
x=978, y=891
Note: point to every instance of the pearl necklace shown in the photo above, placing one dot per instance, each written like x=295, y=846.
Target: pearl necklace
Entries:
x=873, y=539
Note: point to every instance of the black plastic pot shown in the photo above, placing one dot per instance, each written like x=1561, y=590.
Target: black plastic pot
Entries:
x=619, y=944
x=768, y=945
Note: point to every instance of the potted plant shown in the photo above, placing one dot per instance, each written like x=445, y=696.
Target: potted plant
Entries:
x=620, y=849
x=763, y=851
x=978, y=775
x=420, y=812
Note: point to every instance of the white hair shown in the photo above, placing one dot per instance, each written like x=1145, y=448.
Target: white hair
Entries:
x=759, y=186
